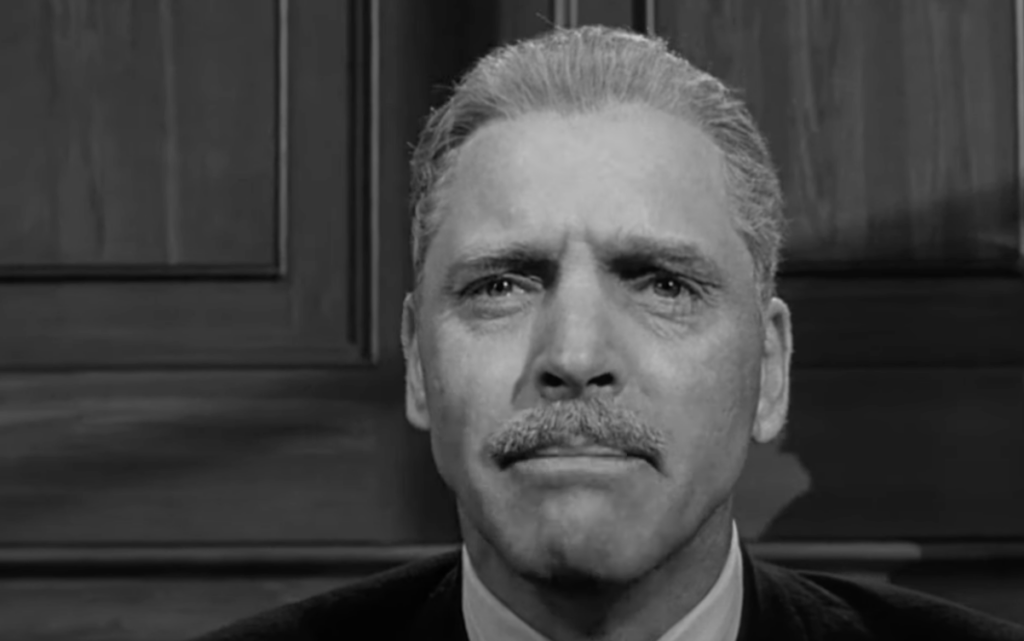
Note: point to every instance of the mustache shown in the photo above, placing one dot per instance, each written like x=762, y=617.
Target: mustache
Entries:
x=568, y=423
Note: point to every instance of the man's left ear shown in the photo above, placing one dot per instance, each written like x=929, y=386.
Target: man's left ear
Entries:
x=415, y=393
x=773, y=404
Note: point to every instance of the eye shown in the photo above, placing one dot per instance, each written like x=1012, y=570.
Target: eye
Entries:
x=498, y=287
x=669, y=286
x=493, y=287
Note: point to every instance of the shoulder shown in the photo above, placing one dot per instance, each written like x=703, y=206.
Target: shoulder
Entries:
x=836, y=607
x=379, y=603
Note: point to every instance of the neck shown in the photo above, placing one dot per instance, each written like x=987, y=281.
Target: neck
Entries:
x=641, y=610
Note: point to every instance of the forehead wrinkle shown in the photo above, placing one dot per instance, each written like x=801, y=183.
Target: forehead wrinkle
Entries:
x=610, y=251
x=498, y=189
x=662, y=247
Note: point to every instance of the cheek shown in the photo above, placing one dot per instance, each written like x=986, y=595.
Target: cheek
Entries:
x=707, y=401
x=469, y=387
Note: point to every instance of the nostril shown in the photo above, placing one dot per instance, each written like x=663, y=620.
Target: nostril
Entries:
x=604, y=380
x=547, y=379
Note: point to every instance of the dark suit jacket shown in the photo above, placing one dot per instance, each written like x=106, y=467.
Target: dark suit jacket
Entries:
x=422, y=601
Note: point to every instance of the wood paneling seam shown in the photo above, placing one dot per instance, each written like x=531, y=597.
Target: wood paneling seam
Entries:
x=1018, y=18
x=172, y=155
x=373, y=195
x=566, y=13
x=281, y=182
x=649, y=21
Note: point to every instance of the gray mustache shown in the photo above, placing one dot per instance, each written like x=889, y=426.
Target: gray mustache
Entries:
x=565, y=423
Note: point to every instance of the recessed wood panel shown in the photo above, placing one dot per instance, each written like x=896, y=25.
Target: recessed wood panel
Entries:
x=625, y=14
x=318, y=308
x=138, y=134
x=893, y=123
x=519, y=19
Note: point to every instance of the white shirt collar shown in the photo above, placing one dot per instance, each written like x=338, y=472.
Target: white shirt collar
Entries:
x=715, y=618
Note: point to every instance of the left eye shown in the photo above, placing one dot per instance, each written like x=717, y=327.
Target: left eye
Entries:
x=668, y=286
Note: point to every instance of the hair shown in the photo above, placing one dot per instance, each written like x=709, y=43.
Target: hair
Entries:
x=585, y=70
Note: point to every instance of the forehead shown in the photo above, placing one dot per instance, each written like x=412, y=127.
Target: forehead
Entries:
x=546, y=178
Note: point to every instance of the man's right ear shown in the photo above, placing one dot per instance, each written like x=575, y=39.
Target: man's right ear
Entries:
x=415, y=394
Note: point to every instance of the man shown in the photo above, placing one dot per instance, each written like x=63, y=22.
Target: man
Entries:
x=592, y=343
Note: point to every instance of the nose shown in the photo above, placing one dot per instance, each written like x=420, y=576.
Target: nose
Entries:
x=578, y=357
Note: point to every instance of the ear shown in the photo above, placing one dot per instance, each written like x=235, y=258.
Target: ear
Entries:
x=773, y=404
x=415, y=394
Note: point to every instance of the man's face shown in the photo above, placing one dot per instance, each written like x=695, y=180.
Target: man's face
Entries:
x=587, y=266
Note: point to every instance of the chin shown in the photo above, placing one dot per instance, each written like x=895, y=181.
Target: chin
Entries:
x=586, y=563
x=583, y=546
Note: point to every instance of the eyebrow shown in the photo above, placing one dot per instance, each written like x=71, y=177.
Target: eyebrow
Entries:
x=622, y=255
x=631, y=253
x=511, y=257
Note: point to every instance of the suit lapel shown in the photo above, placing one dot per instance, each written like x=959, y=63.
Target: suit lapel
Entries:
x=440, y=617
x=768, y=614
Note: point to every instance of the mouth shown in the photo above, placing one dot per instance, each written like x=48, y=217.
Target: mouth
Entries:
x=589, y=451
x=577, y=452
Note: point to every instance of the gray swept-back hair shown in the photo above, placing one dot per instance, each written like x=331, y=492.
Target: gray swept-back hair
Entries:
x=583, y=70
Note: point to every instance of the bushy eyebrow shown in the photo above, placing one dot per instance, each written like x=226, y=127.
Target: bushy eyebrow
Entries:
x=624, y=256
x=629, y=254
